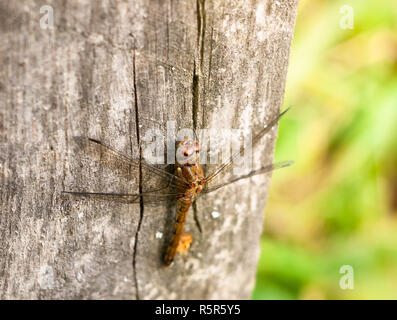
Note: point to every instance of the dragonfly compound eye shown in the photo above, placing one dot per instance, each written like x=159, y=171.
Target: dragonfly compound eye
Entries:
x=188, y=151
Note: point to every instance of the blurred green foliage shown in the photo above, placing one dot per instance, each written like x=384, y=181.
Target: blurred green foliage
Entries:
x=338, y=204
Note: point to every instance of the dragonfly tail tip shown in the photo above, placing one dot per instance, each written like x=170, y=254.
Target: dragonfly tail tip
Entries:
x=285, y=111
x=286, y=163
x=289, y=163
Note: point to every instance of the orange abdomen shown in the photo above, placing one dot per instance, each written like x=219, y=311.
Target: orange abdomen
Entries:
x=183, y=207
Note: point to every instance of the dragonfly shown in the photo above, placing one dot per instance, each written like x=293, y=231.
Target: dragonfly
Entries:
x=185, y=185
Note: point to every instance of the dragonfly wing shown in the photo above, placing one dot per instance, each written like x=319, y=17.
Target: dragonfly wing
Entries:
x=128, y=198
x=229, y=164
x=128, y=166
x=262, y=170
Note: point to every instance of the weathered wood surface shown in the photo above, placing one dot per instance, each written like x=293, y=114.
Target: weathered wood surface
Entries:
x=107, y=70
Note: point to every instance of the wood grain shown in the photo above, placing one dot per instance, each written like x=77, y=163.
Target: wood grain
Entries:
x=111, y=70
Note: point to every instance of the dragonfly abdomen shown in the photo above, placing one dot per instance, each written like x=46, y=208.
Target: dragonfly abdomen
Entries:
x=183, y=208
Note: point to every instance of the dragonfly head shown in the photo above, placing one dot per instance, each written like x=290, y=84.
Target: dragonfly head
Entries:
x=187, y=152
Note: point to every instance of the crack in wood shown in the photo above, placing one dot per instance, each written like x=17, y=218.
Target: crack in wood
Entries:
x=195, y=96
x=196, y=81
x=141, y=206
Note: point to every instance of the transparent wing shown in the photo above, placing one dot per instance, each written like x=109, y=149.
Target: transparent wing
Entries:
x=262, y=170
x=229, y=164
x=128, y=198
x=127, y=165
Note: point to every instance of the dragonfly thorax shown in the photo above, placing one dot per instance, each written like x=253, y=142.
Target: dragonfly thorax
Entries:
x=193, y=175
x=188, y=167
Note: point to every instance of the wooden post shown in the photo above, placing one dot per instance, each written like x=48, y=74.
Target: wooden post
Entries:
x=112, y=70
